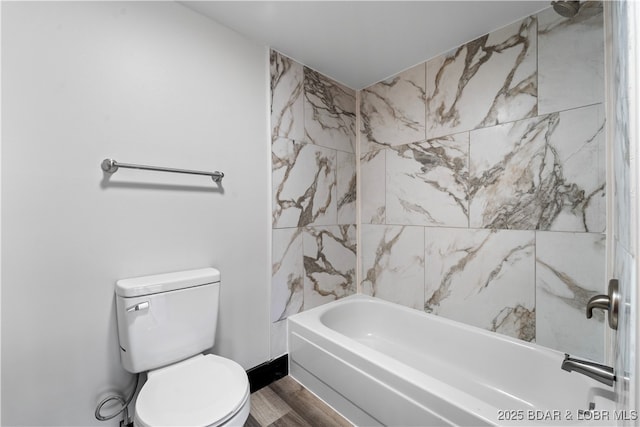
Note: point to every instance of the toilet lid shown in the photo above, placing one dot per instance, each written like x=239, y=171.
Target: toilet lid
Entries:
x=199, y=391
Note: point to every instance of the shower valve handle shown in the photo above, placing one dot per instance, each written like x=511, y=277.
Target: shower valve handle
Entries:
x=608, y=302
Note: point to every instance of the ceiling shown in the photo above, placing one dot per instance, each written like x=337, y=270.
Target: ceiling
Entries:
x=359, y=43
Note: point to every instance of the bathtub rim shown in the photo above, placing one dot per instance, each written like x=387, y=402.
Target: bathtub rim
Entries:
x=314, y=316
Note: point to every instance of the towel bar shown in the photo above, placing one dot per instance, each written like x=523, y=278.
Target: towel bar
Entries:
x=111, y=166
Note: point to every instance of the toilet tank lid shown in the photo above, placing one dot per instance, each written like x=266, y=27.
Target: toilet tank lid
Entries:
x=147, y=285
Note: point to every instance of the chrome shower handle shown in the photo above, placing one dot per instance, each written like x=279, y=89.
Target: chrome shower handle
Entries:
x=608, y=302
x=598, y=301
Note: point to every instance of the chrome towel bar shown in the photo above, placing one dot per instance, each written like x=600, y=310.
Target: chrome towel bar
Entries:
x=111, y=166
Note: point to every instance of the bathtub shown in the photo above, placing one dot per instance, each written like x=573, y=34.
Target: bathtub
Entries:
x=378, y=363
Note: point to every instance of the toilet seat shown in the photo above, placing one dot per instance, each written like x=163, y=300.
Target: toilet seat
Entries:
x=200, y=391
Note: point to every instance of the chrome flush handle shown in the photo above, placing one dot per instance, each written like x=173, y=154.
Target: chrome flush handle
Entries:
x=137, y=307
x=608, y=302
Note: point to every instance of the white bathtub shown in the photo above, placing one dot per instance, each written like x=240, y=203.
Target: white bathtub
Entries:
x=379, y=363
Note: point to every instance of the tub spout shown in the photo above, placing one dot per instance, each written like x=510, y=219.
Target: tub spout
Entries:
x=598, y=372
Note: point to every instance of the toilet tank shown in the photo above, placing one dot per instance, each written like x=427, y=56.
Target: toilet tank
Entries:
x=166, y=317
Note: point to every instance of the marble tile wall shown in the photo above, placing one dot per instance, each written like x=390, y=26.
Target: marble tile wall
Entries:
x=313, y=192
x=395, y=269
x=482, y=277
x=483, y=182
x=487, y=81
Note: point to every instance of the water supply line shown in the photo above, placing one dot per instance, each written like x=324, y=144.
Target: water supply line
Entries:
x=125, y=405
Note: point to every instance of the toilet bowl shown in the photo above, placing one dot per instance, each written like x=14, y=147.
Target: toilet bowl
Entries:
x=200, y=391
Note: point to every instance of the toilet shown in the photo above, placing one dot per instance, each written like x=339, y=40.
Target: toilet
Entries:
x=165, y=323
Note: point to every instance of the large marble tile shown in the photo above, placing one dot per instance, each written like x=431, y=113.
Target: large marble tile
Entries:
x=570, y=59
x=393, y=263
x=427, y=182
x=329, y=112
x=484, y=82
x=545, y=173
x=569, y=271
x=392, y=112
x=372, y=187
x=346, y=187
x=304, y=184
x=287, y=118
x=329, y=264
x=287, y=274
x=484, y=278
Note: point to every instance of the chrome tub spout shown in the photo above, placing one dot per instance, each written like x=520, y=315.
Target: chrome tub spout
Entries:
x=598, y=372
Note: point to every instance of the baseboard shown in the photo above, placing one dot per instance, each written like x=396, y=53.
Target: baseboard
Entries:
x=268, y=372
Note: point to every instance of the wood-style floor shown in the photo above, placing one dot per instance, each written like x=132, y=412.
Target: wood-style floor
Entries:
x=285, y=403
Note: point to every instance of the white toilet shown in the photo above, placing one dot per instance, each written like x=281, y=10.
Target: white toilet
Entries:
x=165, y=322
